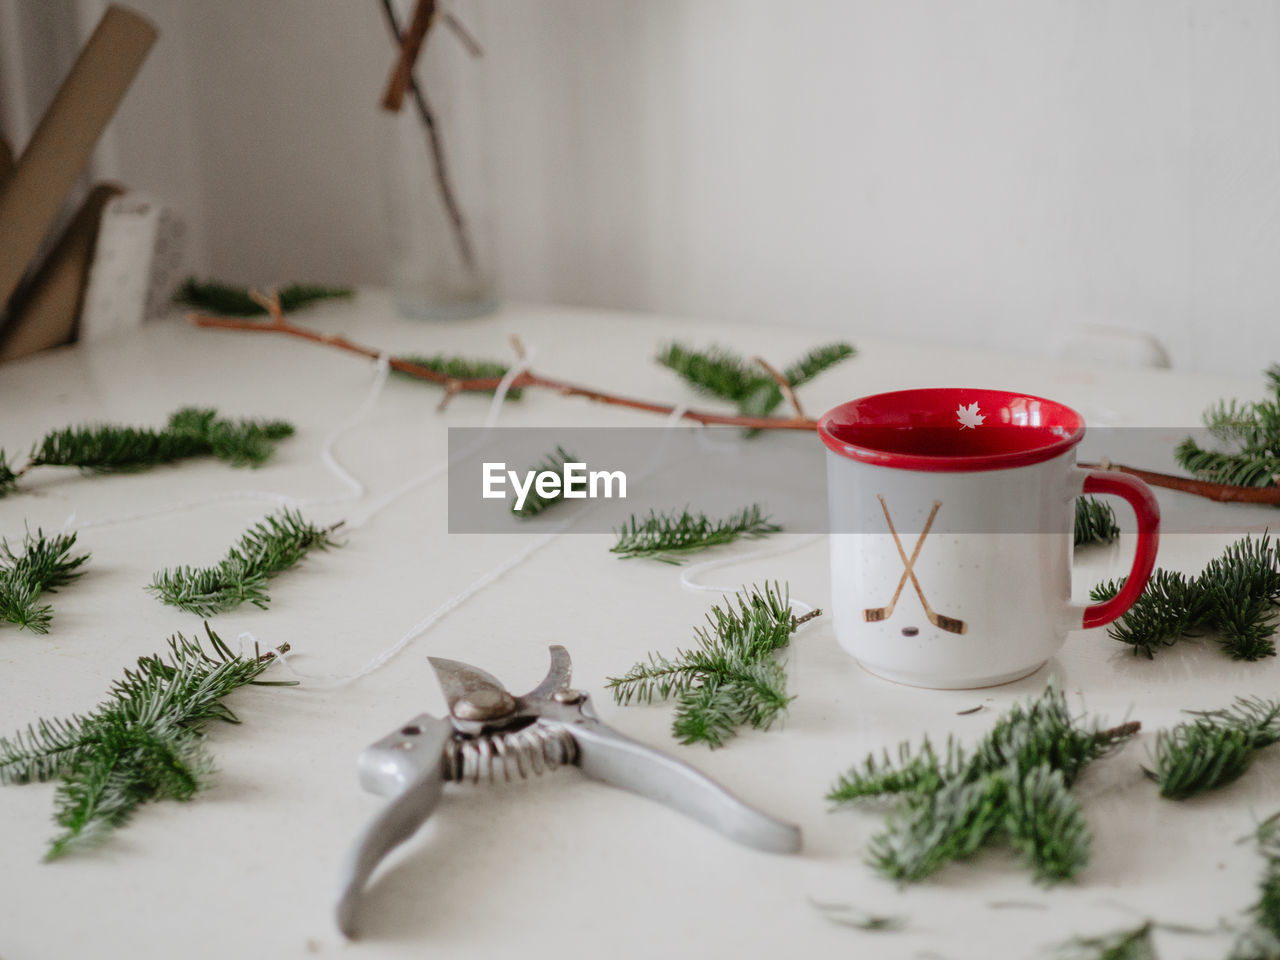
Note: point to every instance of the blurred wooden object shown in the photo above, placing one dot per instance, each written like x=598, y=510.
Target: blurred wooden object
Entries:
x=6, y=160
x=62, y=144
x=44, y=312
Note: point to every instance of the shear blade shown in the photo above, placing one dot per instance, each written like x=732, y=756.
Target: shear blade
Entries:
x=459, y=680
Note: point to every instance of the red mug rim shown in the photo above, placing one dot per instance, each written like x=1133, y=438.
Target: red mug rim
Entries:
x=939, y=429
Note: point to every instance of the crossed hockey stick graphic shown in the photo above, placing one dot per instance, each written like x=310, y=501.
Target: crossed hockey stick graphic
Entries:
x=875, y=614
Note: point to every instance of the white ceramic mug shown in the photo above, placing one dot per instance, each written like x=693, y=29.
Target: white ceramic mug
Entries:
x=952, y=517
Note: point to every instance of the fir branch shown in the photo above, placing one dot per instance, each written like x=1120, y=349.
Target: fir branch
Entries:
x=1011, y=787
x=720, y=372
x=1260, y=940
x=1095, y=521
x=667, y=537
x=848, y=915
x=459, y=368
x=44, y=565
x=1133, y=944
x=1215, y=748
x=1234, y=598
x=1045, y=823
x=270, y=547
x=730, y=677
x=8, y=476
x=818, y=360
x=1251, y=432
x=232, y=301
x=535, y=502
x=190, y=432
x=144, y=742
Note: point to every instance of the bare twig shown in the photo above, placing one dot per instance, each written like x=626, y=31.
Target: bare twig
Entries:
x=410, y=43
x=1221, y=492
x=783, y=384
x=465, y=36
x=280, y=324
x=488, y=384
x=436, y=144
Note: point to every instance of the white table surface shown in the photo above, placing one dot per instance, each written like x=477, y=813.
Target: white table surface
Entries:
x=555, y=864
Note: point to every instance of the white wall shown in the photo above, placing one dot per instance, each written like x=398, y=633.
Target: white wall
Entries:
x=989, y=171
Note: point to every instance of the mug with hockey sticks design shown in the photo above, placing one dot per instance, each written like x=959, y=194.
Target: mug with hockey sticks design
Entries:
x=952, y=517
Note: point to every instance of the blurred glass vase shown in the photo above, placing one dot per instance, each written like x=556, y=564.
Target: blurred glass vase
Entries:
x=439, y=195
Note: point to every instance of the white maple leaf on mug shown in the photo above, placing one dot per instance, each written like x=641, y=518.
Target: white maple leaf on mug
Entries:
x=969, y=416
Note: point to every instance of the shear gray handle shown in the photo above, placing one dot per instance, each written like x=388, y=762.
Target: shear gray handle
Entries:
x=606, y=755
x=401, y=817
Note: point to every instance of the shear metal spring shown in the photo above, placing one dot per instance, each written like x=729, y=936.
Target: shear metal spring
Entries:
x=531, y=751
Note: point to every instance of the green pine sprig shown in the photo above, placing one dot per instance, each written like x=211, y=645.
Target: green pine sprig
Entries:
x=535, y=502
x=1250, y=432
x=851, y=915
x=459, y=368
x=730, y=677
x=1130, y=944
x=723, y=373
x=44, y=565
x=144, y=742
x=1012, y=787
x=270, y=547
x=190, y=432
x=8, y=476
x=1095, y=522
x=671, y=537
x=212, y=296
x=1234, y=598
x=1262, y=939
x=1215, y=748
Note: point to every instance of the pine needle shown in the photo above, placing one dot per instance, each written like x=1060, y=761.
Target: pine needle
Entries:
x=848, y=915
x=535, y=502
x=723, y=373
x=1012, y=787
x=270, y=547
x=1132, y=944
x=1215, y=748
x=144, y=742
x=44, y=565
x=232, y=301
x=1260, y=940
x=730, y=678
x=669, y=537
x=1095, y=522
x=1250, y=430
x=8, y=476
x=1234, y=598
x=458, y=368
x=190, y=432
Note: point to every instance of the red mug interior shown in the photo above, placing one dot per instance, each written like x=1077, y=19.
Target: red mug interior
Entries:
x=951, y=428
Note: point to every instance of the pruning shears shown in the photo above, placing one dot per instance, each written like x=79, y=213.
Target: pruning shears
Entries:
x=490, y=733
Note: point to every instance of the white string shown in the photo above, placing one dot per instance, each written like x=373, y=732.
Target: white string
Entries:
x=688, y=574
x=355, y=489
x=413, y=483
x=491, y=575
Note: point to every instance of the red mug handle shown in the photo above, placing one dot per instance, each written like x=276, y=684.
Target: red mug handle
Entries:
x=1143, y=501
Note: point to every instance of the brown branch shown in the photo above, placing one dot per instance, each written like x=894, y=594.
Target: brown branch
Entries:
x=279, y=323
x=783, y=384
x=525, y=379
x=410, y=42
x=436, y=144
x=1221, y=492
x=465, y=36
